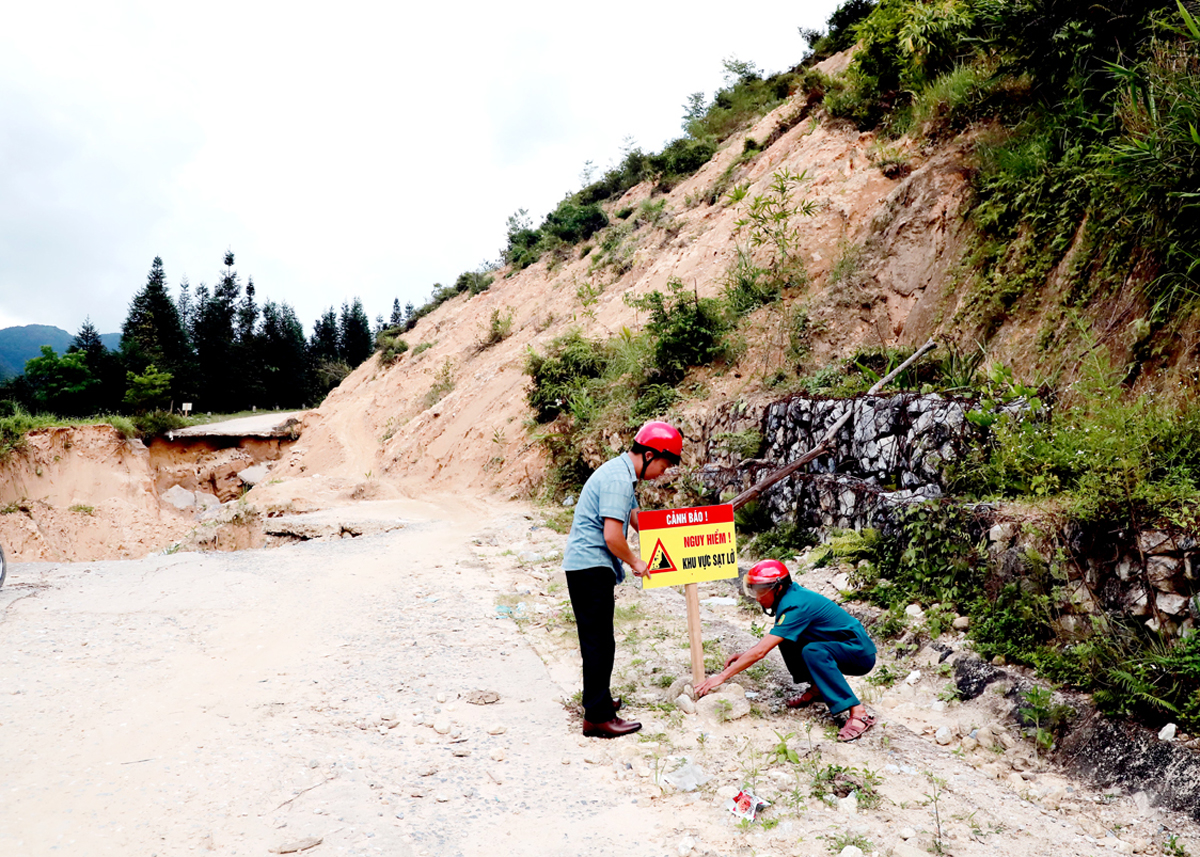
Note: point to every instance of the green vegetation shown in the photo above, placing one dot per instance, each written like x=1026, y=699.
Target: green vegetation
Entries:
x=443, y=383
x=389, y=345
x=498, y=328
x=686, y=330
x=1090, y=117
x=937, y=557
x=1044, y=718
x=216, y=348
x=839, y=781
x=16, y=423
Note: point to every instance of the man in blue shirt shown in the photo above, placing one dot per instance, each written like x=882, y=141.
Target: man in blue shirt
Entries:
x=596, y=547
x=820, y=643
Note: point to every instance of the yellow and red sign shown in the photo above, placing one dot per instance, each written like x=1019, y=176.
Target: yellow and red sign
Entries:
x=688, y=545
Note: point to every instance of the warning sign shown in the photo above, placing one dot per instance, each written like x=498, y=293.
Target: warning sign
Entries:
x=688, y=545
x=659, y=559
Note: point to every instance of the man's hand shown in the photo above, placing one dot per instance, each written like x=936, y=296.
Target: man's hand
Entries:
x=640, y=569
x=731, y=659
x=707, y=685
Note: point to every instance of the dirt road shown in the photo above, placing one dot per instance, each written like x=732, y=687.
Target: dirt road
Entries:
x=241, y=702
x=323, y=696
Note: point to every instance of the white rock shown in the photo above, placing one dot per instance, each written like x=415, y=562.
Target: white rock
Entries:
x=441, y=797
x=1000, y=533
x=903, y=849
x=566, y=760
x=254, y=474
x=684, y=703
x=728, y=792
x=937, y=705
x=497, y=754
x=848, y=805
x=907, y=833
x=497, y=729
x=944, y=735
x=685, y=846
x=441, y=697
x=913, y=677
x=781, y=778
x=593, y=757
x=1167, y=733
x=179, y=497
x=962, y=623
x=206, y=500
x=915, y=611
x=851, y=851
x=441, y=725
x=723, y=706
x=841, y=582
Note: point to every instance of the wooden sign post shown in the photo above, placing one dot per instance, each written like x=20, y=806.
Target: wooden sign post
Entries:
x=686, y=547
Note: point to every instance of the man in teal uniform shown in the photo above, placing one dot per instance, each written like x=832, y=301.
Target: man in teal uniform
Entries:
x=820, y=642
x=596, y=547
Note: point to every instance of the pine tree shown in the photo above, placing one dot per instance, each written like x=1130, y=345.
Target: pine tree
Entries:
x=154, y=333
x=214, y=335
x=104, y=367
x=88, y=340
x=250, y=389
x=324, y=356
x=184, y=304
x=397, y=318
x=286, y=372
x=355, y=342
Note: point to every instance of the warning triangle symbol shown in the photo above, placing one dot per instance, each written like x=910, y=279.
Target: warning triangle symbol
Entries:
x=659, y=560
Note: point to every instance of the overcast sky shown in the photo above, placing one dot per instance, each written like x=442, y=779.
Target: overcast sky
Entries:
x=356, y=149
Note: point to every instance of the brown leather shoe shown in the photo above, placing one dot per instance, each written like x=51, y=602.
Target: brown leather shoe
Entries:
x=614, y=728
x=617, y=703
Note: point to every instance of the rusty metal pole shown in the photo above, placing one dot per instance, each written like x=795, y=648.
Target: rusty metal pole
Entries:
x=827, y=441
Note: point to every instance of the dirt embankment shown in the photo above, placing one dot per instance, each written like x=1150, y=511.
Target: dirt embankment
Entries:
x=90, y=493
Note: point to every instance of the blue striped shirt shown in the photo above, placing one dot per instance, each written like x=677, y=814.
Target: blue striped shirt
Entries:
x=608, y=493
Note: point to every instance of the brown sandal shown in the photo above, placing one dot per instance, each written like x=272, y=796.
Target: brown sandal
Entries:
x=855, y=727
x=805, y=699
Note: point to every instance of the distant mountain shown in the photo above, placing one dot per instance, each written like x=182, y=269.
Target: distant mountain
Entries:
x=19, y=344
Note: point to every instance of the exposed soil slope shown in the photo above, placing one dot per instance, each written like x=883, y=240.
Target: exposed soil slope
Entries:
x=378, y=424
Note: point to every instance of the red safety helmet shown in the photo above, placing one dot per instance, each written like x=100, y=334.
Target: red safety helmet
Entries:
x=765, y=576
x=663, y=439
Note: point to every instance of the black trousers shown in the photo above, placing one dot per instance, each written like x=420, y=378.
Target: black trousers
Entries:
x=592, y=598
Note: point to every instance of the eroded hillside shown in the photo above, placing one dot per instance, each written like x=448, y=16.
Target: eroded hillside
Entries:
x=379, y=429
